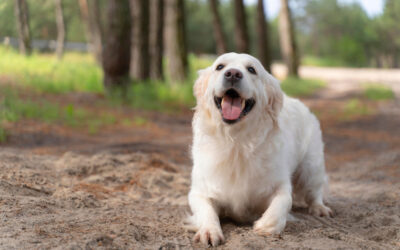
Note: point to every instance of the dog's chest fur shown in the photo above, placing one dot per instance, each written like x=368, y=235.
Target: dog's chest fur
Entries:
x=240, y=180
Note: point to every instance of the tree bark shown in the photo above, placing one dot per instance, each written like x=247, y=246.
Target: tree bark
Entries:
x=140, y=62
x=175, y=41
x=90, y=14
x=262, y=39
x=60, y=28
x=156, y=38
x=22, y=16
x=241, y=35
x=287, y=39
x=117, y=44
x=217, y=25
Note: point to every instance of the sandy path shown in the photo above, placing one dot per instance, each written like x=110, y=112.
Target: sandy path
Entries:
x=138, y=200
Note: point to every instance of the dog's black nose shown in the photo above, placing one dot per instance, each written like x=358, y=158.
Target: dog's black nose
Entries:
x=233, y=75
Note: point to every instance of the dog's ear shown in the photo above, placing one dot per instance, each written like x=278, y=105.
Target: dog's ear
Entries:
x=200, y=86
x=275, y=98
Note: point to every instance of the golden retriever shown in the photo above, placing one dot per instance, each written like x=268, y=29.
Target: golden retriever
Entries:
x=253, y=148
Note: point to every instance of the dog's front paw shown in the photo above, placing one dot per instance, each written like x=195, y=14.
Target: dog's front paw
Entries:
x=269, y=226
x=320, y=210
x=211, y=235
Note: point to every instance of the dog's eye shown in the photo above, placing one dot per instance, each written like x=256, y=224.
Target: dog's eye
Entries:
x=220, y=66
x=252, y=70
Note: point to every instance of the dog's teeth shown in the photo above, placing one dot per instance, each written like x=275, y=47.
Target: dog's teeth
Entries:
x=222, y=102
x=243, y=103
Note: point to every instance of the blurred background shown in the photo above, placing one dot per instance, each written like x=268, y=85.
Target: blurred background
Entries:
x=96, y=103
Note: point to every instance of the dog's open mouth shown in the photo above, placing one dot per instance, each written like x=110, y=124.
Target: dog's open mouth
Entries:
x=232, y=106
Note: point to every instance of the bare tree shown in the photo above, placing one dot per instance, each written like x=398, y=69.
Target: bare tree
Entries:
x=117, y=43
x=217, y=25
x=60, y=28
x=22, y=16
x=241, y=36
x=156, y=38
x=90, y=14
x=287, y=39
x=262, y=39
x=140, y=39
x=175, y=43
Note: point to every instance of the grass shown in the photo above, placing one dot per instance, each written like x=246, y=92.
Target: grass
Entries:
x=298, y=87
x=355, y=107
x=3, y=135
x=162, y=95
x=378, y=92
x=78, y=72
x=14, y=108
x=322, y=62
x=44, y=73
x=155, y=95
x=140, y=121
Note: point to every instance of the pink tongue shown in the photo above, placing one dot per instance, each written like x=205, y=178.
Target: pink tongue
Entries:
x=231, y=108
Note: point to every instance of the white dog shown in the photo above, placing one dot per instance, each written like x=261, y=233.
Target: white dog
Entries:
x=253, y=148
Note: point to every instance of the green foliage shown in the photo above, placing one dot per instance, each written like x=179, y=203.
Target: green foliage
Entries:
x=321, y=62
x=335, y=31
x=298, y=87
x=154, y=95
x=7, y=24
x=387, y=34
x=378, y=92
x=3, y=135
x=355, y=107
x=43, y=72
x=339, y=32
x=140, y=121
x=274, y=39
x=13, y=108
x=161, y=95
x=42, y=20
x=198, y=28
x=79, y=73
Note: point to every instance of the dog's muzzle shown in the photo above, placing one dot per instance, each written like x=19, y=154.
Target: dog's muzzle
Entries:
x=232, y=106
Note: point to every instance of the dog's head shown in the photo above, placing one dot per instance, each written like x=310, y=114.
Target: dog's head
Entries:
x=237, y=87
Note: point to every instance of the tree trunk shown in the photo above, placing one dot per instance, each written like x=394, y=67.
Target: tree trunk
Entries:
x=262, y=39
x=241, y=36
x=22, y=16
x=140, y=61
x=90, y=14
x=156, y=38
x=60, y=28
x=175, y=40
x=287, y=39
x=117, y=42
x=217, y=25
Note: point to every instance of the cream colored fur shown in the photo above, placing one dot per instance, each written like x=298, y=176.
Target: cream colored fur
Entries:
x=250, y=170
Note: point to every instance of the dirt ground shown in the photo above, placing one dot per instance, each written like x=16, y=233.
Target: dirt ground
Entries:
x=126, y=188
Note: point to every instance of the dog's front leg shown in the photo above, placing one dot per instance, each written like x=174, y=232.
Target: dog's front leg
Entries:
x=273, y=220
x=205, y=217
